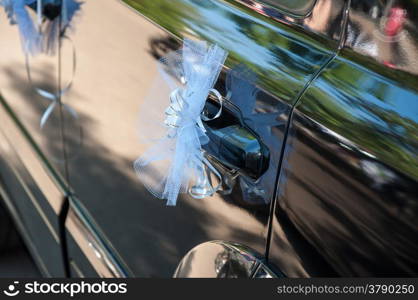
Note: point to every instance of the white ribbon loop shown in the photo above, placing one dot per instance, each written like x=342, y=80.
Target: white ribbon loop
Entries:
x=167, y=167
x=55, y=98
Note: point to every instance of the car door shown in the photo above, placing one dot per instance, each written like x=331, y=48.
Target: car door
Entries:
x=347, y=194
x=115, y=227
x=32, y=164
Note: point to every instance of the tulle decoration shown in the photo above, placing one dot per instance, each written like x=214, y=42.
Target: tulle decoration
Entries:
x=54, y=29
x=41, y=36
x=17, y=13
x=175, y=156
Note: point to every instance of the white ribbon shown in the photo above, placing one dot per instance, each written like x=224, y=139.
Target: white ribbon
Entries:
x=39, y=12
x=55, y=98
x=34, y=40
x=168, y=166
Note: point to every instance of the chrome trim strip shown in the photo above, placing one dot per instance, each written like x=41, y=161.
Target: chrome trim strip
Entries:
x=50, y=170
x=76, y=269
x=103, y=260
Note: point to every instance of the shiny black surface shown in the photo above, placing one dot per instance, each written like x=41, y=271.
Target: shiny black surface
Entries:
x=33, y=202
x=220, y=259
x=234, y=144
x=149, y=237
x=33, y=163
x=322, y=117
x=217, y=259
x=350, y=169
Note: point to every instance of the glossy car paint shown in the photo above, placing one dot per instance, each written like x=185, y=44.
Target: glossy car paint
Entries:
x=346, y=196
x=220, y=259
x=350, y=169
x=31, y=159
x=148, y=237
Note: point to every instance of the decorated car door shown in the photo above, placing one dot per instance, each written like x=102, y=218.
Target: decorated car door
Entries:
x=180, y=109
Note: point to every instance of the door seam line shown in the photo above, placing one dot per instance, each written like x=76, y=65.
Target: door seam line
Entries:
x=273, y=206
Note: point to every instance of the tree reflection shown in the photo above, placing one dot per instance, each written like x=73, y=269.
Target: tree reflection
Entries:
x=368, y=110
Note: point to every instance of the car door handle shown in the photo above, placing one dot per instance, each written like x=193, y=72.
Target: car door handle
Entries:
x=233, y=144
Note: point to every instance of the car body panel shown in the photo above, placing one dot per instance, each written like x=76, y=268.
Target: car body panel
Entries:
x=31, y=194
x=349, y=178
x=32, y=157
x=338, y=196
x=149, y=237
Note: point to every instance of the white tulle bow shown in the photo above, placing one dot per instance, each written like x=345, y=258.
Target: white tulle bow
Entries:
x=35, y=40
x=175, y=159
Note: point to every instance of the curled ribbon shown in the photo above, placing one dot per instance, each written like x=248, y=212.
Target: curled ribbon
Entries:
x=174, y=160
x=55, y=98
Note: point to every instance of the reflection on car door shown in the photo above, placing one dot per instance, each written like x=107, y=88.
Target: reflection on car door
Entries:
x=118, y=44
x=31, y=158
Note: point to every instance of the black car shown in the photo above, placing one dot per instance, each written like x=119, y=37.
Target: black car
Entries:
x=316, y=145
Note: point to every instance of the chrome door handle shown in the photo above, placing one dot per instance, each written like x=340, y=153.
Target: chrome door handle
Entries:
x=234, y=144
